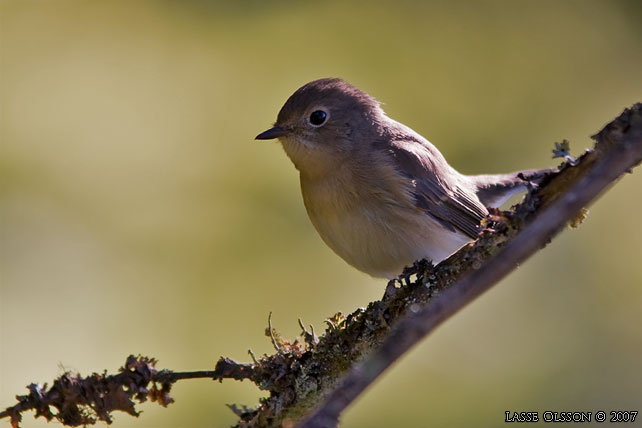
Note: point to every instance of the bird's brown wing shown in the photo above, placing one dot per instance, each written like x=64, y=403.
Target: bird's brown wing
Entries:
x=439, y=190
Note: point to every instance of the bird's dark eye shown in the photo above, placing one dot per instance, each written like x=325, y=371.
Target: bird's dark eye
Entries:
x=318, y=117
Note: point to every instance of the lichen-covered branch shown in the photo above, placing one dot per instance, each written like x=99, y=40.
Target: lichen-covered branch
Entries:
x=81, y=401
x=320, y=376
x=618, y=149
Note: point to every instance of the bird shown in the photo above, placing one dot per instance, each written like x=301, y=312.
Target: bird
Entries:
x=380, y=195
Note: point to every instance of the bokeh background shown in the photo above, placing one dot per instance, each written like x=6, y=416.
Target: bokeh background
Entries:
x=139, y=216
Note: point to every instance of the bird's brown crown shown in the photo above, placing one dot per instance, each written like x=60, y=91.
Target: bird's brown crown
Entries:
x=333, y=92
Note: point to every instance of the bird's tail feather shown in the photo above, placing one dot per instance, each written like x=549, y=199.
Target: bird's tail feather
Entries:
x=495, y=189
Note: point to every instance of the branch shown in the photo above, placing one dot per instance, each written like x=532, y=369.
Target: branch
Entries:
x=618, y=149
x=84, y=401
x=325, y=374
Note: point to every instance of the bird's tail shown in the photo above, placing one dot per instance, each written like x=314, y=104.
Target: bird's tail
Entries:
x=495, y=189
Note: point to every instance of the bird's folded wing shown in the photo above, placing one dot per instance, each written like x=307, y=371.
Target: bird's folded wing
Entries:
x=438, y=189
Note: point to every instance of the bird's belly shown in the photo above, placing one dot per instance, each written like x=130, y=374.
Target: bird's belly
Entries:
x=382, y=241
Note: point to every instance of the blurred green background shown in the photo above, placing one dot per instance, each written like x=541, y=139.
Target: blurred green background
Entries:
x=139, y=216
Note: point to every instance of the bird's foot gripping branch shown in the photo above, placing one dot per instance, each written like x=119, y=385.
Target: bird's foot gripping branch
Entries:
x=311, y=380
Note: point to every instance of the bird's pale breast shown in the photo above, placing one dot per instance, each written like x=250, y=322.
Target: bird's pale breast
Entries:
x=380, y=231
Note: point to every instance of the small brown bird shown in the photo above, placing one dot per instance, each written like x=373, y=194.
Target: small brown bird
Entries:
x=379, y=194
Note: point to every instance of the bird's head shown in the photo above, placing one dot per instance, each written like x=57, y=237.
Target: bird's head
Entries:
x=323, y=123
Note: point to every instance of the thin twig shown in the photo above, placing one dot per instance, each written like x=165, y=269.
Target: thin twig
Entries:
x=74, y=400
x=275, y=342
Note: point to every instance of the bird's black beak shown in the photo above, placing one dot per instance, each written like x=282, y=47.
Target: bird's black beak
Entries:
x=271, y=133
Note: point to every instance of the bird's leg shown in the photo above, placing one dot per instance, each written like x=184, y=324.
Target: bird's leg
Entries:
x=420, y=268
x=391, y=289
